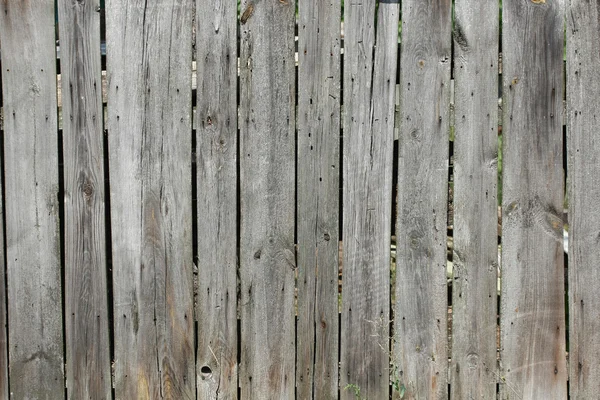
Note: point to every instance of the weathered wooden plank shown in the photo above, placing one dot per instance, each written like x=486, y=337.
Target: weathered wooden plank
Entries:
x=475, y=257
x=86, y=294
x=421, y=297
x=267, y=166
x=31, y=200
x=3, y=317
x=149, y=127
x=318, y=198
x=369, y=95
x=583, y=91
x=532, y=321
x=216, y=45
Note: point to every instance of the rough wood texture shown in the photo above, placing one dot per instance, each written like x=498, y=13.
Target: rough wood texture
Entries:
x=420, y=352
x=475, y=258
x=32, y=206
x=369, y=94
x=318, y=198
x=149, y=127
x=3, y=317
x=267, y=157
x=216, y=363
x=86, y=295
x=533, y=363
x=583, y=91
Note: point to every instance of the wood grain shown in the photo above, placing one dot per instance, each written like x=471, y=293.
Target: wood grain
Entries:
x=3, y=317
x=267, y=167
x=318, y=198
x=216, y=138
x=475, y=257
x=149, y=128
x=369, y=95
x=86, y=292
x=532, y=314
x=421, y=297
x=583, y=90
x=35, y=327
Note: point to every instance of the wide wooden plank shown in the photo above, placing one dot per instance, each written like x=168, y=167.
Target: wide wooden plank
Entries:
x=31, y=199
x=532, y=320
x=318, y=198
x=3, y=317
x=267, y=167
x=475, y=258
x=583, y=91
x=421, y=296
x=149, y=128
x=216, y=138
x=369, y=95
x=86, y=294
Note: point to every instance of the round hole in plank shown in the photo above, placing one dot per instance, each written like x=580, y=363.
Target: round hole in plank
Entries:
x=206, y=372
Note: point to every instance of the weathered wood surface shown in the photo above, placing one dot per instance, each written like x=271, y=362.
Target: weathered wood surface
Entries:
x=3, y=316
x=532, y=315
x=421, y=296
x=267, y=167
x=475, y=256
x=86, y=292
x=216, y=139
x=318, y=198
x=35, y=328
x=369, y=95
x=583, y=91
x=149, y=127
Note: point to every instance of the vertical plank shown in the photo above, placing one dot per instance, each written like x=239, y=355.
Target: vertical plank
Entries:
x=533, y=363
x=3, y=318
x=86, y=301
x=216, y=46
x=318, y=198
x=475, y=259
x=421, y=297
x=149, y=127
x=32, y=208
x=583, y=90
x=369, y=94
x=267, y=167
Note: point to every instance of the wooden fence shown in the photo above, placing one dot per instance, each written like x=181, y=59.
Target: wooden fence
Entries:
x=263, y=201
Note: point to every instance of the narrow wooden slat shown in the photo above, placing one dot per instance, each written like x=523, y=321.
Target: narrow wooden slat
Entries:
x=369, y=95
x=267, y=166
x=421, y=297
x=475, y=259
x=532, y=320
x=216, y=44
x=86, y=301
x=3, y=317
x=318, y=198
x=149, y=128
x=583, y=91
x=32, y=206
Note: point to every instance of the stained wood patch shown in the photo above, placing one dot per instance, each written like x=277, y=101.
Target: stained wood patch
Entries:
x=149, y=128
x=532, y=315
x=421, y=298
x=35, y=326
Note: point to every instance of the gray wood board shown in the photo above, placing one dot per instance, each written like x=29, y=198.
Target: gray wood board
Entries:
x=318, y=198
x=149, y=128
x=216, y=139
x=3, y=316
x=420, y=318
x=35, y=326
x=583, y=91
x=369, y=96
x=532, y=314
x=267, y=167
x=475, y=257
x=86, y=291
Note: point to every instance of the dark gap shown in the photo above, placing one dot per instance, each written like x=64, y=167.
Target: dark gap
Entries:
x=195, y=231
x=565, y=223
x=339, y=354
x=449, y=392
x=238, y=208
x=239, y=355
x=4, y=243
